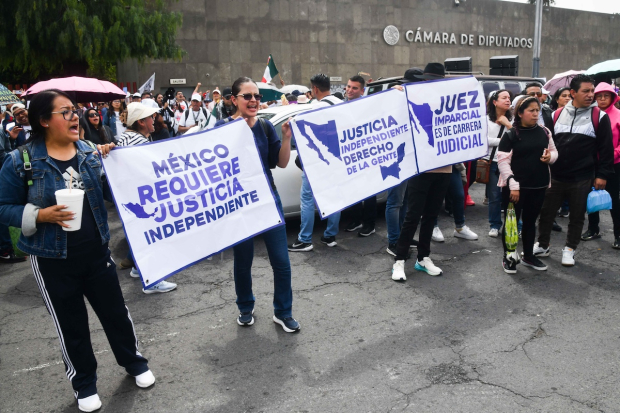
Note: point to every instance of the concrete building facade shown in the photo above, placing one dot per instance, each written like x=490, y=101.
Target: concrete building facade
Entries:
x=226, y=39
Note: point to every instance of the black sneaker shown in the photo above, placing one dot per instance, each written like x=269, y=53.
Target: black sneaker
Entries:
x=289, y=324
x=246, y=319
x=589, y=235
x=8, y=257
x=329, y=241
x=353, y=226
x=563, y=212
x=300, y=247
x=391, y=249
x=616, y=244
x=366, y=231
x=510, y=265
x=556, y=227
x=534, y=263
x=414, y=244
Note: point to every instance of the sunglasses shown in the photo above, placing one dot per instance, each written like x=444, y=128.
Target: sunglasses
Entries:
x=70, y=113
x=227, y=97
x=93, y=115
x=535, y=94
x=248, y=96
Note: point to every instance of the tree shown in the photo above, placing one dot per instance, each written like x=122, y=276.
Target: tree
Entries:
x=39, y=38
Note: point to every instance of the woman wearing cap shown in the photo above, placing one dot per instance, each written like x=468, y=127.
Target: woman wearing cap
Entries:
x=246, y=98
x=94, y=130
x=524, y=155
x=69, y=266
x=141, y=125
x=606, y=98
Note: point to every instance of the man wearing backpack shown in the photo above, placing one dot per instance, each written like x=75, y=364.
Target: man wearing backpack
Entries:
x=194, y=115
x=582, y=135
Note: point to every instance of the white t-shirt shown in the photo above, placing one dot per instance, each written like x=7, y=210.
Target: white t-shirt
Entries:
x=119, y=125
x=192, y=118
x=178, y=112
x=492, y=132
x=330, y=98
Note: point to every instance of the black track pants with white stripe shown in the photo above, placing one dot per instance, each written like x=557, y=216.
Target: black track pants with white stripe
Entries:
x=90, y=273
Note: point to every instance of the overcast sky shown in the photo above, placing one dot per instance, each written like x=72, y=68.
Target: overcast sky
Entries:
x=600, y=6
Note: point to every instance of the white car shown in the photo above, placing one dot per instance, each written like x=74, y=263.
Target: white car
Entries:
x=288, y=180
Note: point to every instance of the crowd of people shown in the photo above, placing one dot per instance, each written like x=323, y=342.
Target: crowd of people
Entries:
x=542, y=158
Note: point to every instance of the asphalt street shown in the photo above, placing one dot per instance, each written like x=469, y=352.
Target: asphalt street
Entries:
x=473, y=340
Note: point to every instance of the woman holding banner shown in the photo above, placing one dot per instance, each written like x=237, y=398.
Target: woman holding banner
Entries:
x=69, y=249
x=524, y=155
x=246, y=98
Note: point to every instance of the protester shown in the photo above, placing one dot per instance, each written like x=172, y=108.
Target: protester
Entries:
x=70, y=265
x=102, y=107
x=499, y=117
x=8, y=116
x=95, y=131
x=196, y=115
x=425, y=193
x=225, y=107
x=364, y=213
x=22, y=127
x=524, y=154
x=321, y=92
x=161, y=129
x=216, y=99
x=141, y=126
x=585, y=153
x=560, y=98
x=456, y=193
x=535, y=89
x=273, y=152
x=606, y=97
x=7, y=253
x=146, y=95
x=136, y=97
x=112, y=118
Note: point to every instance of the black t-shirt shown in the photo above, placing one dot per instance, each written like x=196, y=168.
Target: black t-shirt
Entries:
x=527, y=148
x=88, y=233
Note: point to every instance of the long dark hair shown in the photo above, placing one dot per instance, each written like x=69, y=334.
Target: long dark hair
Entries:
x=101, y=130
x=556, y=96
x=492, y=110
x=523, y=104
x=41, y=108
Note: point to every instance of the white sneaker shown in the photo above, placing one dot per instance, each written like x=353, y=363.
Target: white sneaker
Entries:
x=428, y=267
x=568, y=257
x=465, y=233
x=541, y=252
x=494, y=232
x=134, y=272
x=90, y=403
x=160, y=287
x=145, y=379
x=398, y=271
x=437, y=235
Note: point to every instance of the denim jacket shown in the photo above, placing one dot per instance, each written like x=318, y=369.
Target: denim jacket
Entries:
x=19, y=206
x=109, y=119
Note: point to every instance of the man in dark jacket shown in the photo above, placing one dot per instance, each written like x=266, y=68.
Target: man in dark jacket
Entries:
x=582, y=135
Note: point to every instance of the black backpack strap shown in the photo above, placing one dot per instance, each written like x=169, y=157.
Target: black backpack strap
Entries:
x=263, y=125
x=328, y=101
x=26, y=158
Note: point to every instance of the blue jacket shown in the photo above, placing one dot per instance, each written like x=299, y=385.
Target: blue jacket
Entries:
x=19, y=206
x=109, y=119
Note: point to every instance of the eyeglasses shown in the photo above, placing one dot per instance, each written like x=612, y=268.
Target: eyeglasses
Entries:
x=248, y=96
x=76, y=112
x=228, y=97
x=603, y=96
x=116, y=101
x=93, y=115
x=539, y=94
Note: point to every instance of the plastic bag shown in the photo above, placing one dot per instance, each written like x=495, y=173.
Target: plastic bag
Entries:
x=15, y=233
x=598, y=201
x=511, y=231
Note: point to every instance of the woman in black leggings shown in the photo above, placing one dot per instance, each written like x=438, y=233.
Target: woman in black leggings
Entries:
x=524, y=155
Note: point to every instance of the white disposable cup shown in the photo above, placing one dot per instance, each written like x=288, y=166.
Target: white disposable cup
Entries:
x=74, y=200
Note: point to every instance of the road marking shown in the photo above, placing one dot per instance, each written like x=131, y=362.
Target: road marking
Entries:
x=44, y=365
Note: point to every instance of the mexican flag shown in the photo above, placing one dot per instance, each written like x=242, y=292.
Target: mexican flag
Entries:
x=271, y=70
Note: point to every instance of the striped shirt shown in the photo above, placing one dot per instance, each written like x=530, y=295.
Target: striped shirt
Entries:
x=131, y=138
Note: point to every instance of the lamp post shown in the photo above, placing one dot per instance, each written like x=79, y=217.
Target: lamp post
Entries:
x=537, y=39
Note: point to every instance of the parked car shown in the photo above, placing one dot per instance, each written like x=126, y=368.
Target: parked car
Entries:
x=288, y=180
x=514, y=84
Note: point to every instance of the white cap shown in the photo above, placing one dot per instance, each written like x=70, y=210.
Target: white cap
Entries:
x=137, y=111
x=150, y=103
x=545, y=91
x=136, y=95
x=217, y=91
x=15, y=107
x=517, y=99
x=196, y=96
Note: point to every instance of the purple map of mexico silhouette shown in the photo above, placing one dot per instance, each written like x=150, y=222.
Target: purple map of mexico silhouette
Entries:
x=327, y=134
x=138, y=211
x=394, y=169
x=425, y=116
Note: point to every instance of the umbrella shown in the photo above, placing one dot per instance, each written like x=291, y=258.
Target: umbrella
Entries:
x=609, y=69
x=291, y=88
x=81, y=89
x=269, y=92
x=561, y=80
x=6, y=96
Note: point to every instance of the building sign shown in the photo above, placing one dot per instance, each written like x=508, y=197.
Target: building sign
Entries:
x=178, y=81
x=391, y=36
x=335, y=79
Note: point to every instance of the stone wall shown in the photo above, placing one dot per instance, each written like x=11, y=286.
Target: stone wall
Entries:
x=225, y=39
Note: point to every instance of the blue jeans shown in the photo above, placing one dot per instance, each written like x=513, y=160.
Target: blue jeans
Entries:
x=275, y=241
x=6, y=244
x=395, y=211
x=457, y=194
x=307, y=215
x=494, y=193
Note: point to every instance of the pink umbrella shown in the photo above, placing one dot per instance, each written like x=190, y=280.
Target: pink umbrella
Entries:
x=561, y=80
x=81, y=89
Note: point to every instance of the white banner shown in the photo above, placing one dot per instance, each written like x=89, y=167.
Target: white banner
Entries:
x=448, y=121
x=149, y=85
x=184, y=199
x=356, y=149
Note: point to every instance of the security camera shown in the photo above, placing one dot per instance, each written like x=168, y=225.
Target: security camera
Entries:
x=457, y=2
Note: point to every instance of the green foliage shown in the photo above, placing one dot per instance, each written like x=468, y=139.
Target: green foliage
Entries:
x=44, y=36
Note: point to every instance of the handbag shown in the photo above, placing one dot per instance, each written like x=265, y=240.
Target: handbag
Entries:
x=483, y=167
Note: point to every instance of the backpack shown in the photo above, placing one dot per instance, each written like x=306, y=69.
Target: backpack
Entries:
x=596, y=116
x=207, y=116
